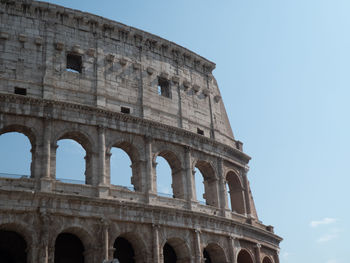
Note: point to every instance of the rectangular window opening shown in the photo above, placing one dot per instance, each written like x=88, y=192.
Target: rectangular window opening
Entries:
x=164, y=88
x=125, y=110
x=74, y=63
x=200, y=132
x=20, y=91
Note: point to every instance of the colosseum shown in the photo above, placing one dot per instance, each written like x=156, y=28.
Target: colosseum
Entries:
x=66, y=74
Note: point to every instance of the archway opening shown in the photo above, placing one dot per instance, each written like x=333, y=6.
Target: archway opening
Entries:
x=170, y=179
x=169, y=254
x=121, y=168
x=124, y=251
x=244, y=257
x=213, y=253
x=15, y=155
x=235, y=193
x=164, y=177
x=206, y=256
x=12, y=247
x=210, y=183
x=69, y=249
x=267, y=260
x=199, y=184
x=70, y=162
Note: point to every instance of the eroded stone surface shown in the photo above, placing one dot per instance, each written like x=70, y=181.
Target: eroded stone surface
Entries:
x=68, y=74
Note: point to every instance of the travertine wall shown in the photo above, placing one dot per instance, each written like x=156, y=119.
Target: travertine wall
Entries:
x=121, y=67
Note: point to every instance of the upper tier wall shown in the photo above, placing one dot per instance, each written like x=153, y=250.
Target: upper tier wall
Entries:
x=121, y=67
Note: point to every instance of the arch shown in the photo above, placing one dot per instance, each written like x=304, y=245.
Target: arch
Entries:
x=85, y=142
x=244, y=256
x=85, y=236
x=267, y=260
x=177, y=176
x=31, y=135
x=69, y=249
x=25, y=231
x=130, y=248
x=13, y=247
x=29, y=132
x=134, y=155
x=213, y=253
x=235, y=192
x=210, y=182
x=176, y=249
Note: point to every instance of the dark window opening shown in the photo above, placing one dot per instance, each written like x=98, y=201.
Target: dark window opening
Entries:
x=169, y=254
x=200, y=132
x=74, y=63
x=164, y=88
x=123, y=251
x=20, y=91
x=125, y=110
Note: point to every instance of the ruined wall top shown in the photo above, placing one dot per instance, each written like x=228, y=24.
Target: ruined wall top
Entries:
x=57, y=53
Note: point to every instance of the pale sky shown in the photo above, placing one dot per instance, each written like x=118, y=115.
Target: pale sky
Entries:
x=283, y=71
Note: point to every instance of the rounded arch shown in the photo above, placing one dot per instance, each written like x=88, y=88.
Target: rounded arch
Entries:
x=180, y=247
x=177, y=176
x=31, y=135
x=210, y=182
x=244, y=256
x=85, y=141
x=215, y=253
x=134, y=154
x=28, y=235
x=27, y=131
x=79, y=136
x=137, y=245
x=267, y=259
x=84, y=235
x=235, y=192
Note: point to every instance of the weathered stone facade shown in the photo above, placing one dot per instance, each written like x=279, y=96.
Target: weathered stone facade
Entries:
x=65, y=74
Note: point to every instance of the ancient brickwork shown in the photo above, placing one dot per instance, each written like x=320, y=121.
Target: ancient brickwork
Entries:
x=65, y=74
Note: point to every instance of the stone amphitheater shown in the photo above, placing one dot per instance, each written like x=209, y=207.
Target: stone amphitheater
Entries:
x=65, y=74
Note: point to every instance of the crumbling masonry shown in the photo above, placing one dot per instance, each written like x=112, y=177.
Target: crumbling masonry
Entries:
x=65, y=74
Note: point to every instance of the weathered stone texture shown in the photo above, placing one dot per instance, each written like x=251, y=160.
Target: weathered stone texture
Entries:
x=121, y=68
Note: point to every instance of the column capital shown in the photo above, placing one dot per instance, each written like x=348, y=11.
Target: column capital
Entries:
x=155, y=226
x=187, y=148
x=148, y=139
x=197, y=231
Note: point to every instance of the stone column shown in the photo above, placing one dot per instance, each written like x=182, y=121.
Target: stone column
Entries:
x=232, y=246
x=246, y=192
x=222, y=187
x=150, y=182
x=46, y=175
x=46, y=149
x=105, y=239
x=258, y=253
x=103, y=187
x=197, y=246
x=276, y=257
x=102, y=155
x=44, y=249
x=156, y=254
x=190, y=193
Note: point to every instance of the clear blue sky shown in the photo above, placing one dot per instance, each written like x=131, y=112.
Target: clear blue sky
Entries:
x=283, y=71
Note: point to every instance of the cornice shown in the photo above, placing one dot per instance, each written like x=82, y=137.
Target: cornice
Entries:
x=46, y=104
